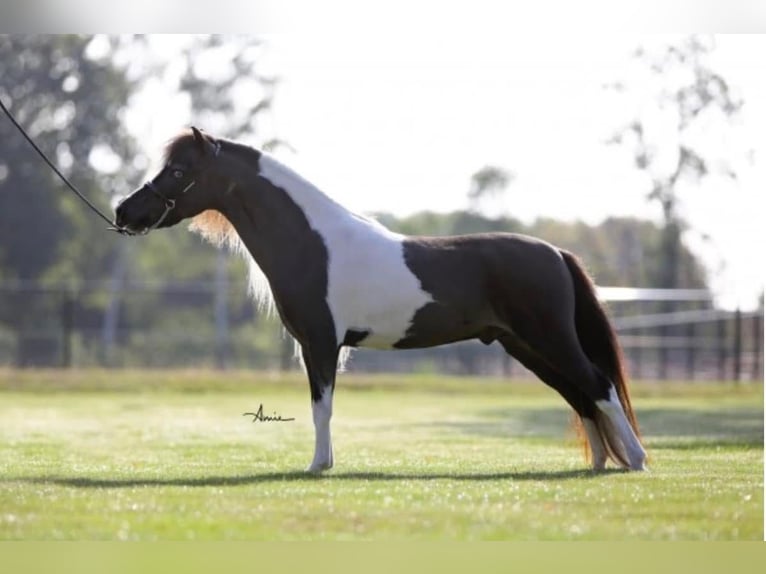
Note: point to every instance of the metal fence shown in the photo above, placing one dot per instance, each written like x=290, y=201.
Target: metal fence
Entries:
x=665, y=334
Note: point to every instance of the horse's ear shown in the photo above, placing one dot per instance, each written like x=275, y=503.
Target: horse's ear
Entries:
x=198, y=137
x=204, y=142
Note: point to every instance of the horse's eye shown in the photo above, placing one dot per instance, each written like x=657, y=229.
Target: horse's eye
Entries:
x=178, y=174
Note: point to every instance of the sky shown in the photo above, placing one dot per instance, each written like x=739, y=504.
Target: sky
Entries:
x=400, y=125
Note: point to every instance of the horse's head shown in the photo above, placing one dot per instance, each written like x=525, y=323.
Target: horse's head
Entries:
x=184, y=187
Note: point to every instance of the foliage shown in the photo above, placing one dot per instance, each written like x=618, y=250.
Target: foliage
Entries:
x=234, y=98
x=664, y=137
x=486, y=183
x=71, y=105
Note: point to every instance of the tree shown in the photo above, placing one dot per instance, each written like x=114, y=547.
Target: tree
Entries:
x=665, y=145
x=70, y=103
x=488, y=183
x=234, y=96
x=688, y=92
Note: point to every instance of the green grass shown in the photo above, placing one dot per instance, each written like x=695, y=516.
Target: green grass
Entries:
x=168, y=455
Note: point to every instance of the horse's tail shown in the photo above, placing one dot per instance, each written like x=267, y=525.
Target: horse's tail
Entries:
x=599, y=341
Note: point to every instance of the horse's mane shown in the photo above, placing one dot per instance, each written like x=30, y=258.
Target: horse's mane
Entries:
x=215, y=228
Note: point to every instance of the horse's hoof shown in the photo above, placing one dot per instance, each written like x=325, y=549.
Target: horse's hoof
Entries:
x=318, y=468
x=639, y=463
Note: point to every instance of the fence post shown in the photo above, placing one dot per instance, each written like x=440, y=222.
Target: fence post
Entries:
x=757, y=346
x=116, y=293
x=507, y=363
x=690, y=351
x=221, y=310
x=721, y=346
x=67, y=326
x=638, y=371
x=737, y=344
x=662, y=354
x=286, y=350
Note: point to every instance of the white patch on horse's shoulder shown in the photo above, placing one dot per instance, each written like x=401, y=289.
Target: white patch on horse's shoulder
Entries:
x=369, y=286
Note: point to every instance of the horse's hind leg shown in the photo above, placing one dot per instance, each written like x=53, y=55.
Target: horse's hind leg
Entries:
x=581, y=403
x=613, y=415
x=553, y=337
x=564, y=353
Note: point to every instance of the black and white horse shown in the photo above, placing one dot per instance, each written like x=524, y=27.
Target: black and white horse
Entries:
x=341, y=280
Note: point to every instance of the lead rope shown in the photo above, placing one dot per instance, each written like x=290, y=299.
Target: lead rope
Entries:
x=112, y=225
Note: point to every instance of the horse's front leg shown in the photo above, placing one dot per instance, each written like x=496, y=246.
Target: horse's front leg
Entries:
x=321, y=368
x=321, y=411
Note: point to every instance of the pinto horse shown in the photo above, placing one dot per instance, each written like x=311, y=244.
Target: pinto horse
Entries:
x=340, y=280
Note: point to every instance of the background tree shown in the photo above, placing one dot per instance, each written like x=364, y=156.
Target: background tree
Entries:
x=666, y=140
x=665, y=137
x=488, y=183
x=71, y=103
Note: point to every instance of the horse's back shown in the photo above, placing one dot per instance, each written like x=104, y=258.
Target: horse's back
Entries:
x=469, y=265
x=466, y=285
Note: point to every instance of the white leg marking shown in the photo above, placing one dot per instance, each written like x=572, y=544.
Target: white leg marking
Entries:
x=610, y=428
x=598, y=452
x=613, y=409
x=322, y=413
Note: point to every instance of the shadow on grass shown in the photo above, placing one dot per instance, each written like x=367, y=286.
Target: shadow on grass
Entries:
x=302, y=476
x=671, y=427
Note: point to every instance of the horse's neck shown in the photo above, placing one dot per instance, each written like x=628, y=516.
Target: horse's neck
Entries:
x=320, y=210
x=324, y=215
x=276, y=220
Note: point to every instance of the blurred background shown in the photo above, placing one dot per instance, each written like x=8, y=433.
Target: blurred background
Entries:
x=643, y=155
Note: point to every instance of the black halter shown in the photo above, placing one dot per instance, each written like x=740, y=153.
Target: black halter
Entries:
x=170, y=204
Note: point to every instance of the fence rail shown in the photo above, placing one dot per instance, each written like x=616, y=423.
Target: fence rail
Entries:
x=664, y=333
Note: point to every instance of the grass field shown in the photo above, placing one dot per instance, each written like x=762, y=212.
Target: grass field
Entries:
x=168, y=455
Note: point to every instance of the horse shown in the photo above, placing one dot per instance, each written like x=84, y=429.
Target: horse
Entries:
x=340, y=280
